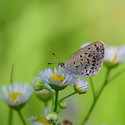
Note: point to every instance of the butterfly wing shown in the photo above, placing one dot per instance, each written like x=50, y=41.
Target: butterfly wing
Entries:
x=87, y=61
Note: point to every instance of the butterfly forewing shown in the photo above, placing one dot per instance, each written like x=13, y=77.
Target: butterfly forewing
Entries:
x=87, y=61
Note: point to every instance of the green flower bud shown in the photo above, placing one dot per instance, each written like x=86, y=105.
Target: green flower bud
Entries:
x=62, y=104
x=51, y=117
x=44, y=95
x=37, y=84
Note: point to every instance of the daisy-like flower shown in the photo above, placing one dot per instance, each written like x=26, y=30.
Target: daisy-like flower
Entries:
x=16, y=95
x=40, y=120
x=81, y=86
x=57, y=79
x=114, y=55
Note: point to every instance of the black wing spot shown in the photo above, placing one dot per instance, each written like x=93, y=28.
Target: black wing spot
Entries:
x=85, y=53
x=81, y=63
x=90, y=55
x=92, y=67
x=81, y=56
x=74, y=62
x=76, y=66
x=81, y=59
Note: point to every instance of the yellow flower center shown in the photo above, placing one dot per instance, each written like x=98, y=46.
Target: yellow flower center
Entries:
x=42, y=120
x=14, y=96
x=115, y=58
x=58, y=78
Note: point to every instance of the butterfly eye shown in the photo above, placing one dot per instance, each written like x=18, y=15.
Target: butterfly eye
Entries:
x=61, y=64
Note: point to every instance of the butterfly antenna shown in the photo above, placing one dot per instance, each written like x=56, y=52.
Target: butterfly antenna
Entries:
x=53, y=63
x=57, y=57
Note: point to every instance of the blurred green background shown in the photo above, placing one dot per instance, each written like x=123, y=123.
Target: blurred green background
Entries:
x=30, y=30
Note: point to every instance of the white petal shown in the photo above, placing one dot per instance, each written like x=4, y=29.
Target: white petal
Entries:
x=55, y=70
x=4, y=90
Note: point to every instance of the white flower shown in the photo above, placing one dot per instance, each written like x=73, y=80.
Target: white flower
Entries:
x=17, y=94
x=114, y=55
x=57, y=79
x=40, y=120
x=81, y=86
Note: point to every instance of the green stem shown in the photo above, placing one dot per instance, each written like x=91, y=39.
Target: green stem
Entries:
x=10, y=112
x=56, y=100
x=21, y=117
x=96, y=98
x=11, y=77
x=116, y=75
x=67, y=96
x=10, y=116
x=93, y=91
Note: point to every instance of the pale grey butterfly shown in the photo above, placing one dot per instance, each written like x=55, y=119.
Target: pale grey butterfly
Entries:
x=86, y=62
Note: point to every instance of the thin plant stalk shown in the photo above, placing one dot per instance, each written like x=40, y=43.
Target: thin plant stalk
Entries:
x=56, y=102
x=96, y=98
x=66, y=97
x=116, y=75
x=92, y=86
x=21, y=117
x=10, y=109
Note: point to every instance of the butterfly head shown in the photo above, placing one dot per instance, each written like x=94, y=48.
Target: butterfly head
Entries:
x=61, y=65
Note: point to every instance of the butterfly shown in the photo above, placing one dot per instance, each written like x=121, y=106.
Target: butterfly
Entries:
x=85, y=62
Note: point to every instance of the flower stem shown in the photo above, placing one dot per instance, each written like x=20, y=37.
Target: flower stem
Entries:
x=116, y=75
x=56, y=100
x=96, y=98
x=11, y=77
x=67, y=96
x=93, y=91
x=10, y=116
x=21, y=117
x=10, y=109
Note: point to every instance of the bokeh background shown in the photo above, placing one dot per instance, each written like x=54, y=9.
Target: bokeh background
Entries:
x=30, y=30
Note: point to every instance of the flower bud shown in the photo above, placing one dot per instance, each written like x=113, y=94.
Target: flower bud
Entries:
x=37, y=84
x=62, y=104
x=44, y=95
x=81, y=86
x=51, y=117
